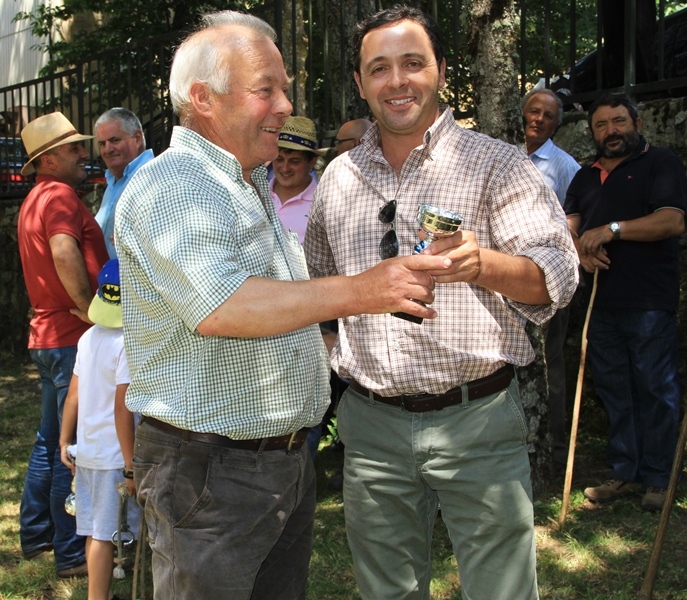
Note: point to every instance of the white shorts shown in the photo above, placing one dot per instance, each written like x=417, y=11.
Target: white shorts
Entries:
x=98, y=502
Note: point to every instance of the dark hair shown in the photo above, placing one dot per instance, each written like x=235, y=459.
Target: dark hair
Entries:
x=305, y=152
x=613, y=100
x=398, y=12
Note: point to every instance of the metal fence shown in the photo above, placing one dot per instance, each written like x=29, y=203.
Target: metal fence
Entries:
x=136, y=77
x=552, y=42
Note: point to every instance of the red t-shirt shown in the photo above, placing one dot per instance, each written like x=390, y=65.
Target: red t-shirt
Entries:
x=52, y=207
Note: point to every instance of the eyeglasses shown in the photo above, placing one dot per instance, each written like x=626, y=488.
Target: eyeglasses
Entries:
x=388, y=246
x=337, y=141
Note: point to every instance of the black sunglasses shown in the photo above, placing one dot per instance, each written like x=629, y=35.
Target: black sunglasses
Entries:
x=388, y=246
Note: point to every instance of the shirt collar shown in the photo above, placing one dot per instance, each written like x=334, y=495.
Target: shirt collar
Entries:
x=642, y=148
x=140, y=160
x=306, y=194
x=371, y=140
x=545, y=151
x=194, y=142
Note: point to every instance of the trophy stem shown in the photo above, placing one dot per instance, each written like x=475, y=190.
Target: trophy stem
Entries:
x=420, y=246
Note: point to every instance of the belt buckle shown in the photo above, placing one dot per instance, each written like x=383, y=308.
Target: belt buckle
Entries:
x=413, y=398
x=291, y=438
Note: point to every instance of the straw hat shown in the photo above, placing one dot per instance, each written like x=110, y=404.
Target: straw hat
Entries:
x=299, y=133
x=45, y=133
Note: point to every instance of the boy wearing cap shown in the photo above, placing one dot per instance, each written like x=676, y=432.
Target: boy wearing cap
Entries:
x=95, y=410
x=62, y=249
x=293, y=185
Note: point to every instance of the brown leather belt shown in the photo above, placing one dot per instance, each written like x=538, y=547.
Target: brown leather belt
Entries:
x=290, y=441
x=479, y=388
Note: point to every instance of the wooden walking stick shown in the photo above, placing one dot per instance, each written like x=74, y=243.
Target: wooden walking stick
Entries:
x=576, y=408
x=646, y=593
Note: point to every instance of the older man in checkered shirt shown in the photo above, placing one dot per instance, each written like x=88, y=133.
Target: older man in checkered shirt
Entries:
x=432, y=414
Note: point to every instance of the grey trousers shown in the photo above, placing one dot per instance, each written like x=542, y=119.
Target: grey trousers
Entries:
x=225, y=523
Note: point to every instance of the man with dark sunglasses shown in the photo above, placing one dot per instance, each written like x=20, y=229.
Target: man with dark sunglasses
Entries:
x=349, y=135
x=432, y=414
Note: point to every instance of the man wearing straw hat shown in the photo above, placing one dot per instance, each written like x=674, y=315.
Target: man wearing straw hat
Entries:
x=62, y=250
x=294, y=184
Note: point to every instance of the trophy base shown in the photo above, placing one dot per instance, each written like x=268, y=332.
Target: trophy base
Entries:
x=407, y=317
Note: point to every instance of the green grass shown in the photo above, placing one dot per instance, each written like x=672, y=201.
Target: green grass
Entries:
x=601, y=554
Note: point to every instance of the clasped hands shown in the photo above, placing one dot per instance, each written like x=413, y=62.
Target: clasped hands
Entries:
x=401, y=282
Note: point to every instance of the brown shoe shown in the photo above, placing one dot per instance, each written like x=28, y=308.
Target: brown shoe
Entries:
x=654, y=499
x=77, y=571
x=611, y=490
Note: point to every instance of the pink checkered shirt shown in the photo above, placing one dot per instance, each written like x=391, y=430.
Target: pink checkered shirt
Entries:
x=502, y=198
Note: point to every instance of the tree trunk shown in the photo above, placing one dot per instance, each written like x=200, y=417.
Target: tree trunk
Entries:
x=534, y=396
x=492, y=34
x=492, y=43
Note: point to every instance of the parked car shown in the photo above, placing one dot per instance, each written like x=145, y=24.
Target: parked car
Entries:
x=13, y=157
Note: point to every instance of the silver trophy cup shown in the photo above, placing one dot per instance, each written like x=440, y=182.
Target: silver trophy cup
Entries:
x=436, y=223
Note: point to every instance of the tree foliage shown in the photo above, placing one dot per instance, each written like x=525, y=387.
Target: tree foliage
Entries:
x=80, y=29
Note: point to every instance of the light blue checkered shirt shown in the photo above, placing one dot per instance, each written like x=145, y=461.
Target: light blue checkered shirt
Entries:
x=189, y=232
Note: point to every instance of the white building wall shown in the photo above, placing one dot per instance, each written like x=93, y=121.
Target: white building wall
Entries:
x=18, y=62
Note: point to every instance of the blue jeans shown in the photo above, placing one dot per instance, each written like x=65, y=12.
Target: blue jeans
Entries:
x=223, y=522
x=42, y=517
x=472, y=459
x=634, y=360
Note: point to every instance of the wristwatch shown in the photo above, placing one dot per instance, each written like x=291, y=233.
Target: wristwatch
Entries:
x=128, y=473
x=614, y=226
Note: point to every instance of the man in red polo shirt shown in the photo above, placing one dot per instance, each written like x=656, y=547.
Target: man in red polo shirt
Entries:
x=62, y=250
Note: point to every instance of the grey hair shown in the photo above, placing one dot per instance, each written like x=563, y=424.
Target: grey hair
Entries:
x=546, y=92
x=199, y=57
x=129, y=121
